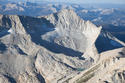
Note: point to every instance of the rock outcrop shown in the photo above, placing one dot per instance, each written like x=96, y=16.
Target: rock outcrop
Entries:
x=48, y=49
x=109, y=69
x=51, y=49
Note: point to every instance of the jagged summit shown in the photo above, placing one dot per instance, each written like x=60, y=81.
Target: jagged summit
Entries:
x=70, y=27
x=51, y=49
x=60, y=40
x=67, y=12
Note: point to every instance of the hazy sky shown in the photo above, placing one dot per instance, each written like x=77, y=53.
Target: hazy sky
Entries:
x=101, y=1
x=84, y=1
x=93, y=1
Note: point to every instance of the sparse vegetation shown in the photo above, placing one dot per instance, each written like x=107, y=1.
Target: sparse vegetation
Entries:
x=88, y=75
x=86, y=78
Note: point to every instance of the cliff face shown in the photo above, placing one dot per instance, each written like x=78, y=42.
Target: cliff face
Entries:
x=48, y=49
x=109, y=68
x=56, y=48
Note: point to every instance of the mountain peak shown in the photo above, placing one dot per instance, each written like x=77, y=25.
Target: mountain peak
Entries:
x=66, y=11
x=60, y=38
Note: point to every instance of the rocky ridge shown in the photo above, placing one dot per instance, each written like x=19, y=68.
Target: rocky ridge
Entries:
x=51, y=49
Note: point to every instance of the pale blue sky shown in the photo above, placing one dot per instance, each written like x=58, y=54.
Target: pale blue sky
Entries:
x=83, y=1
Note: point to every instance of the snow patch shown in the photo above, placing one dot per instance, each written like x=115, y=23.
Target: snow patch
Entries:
x=10, y=31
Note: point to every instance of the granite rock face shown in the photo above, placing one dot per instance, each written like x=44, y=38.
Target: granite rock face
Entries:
x=51, y=49
x=109, y=69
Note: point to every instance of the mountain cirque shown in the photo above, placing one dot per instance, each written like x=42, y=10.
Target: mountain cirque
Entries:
x=53, y=49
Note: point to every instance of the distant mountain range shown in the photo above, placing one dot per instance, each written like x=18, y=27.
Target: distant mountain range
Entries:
x=109, y=18
x=101, y=16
